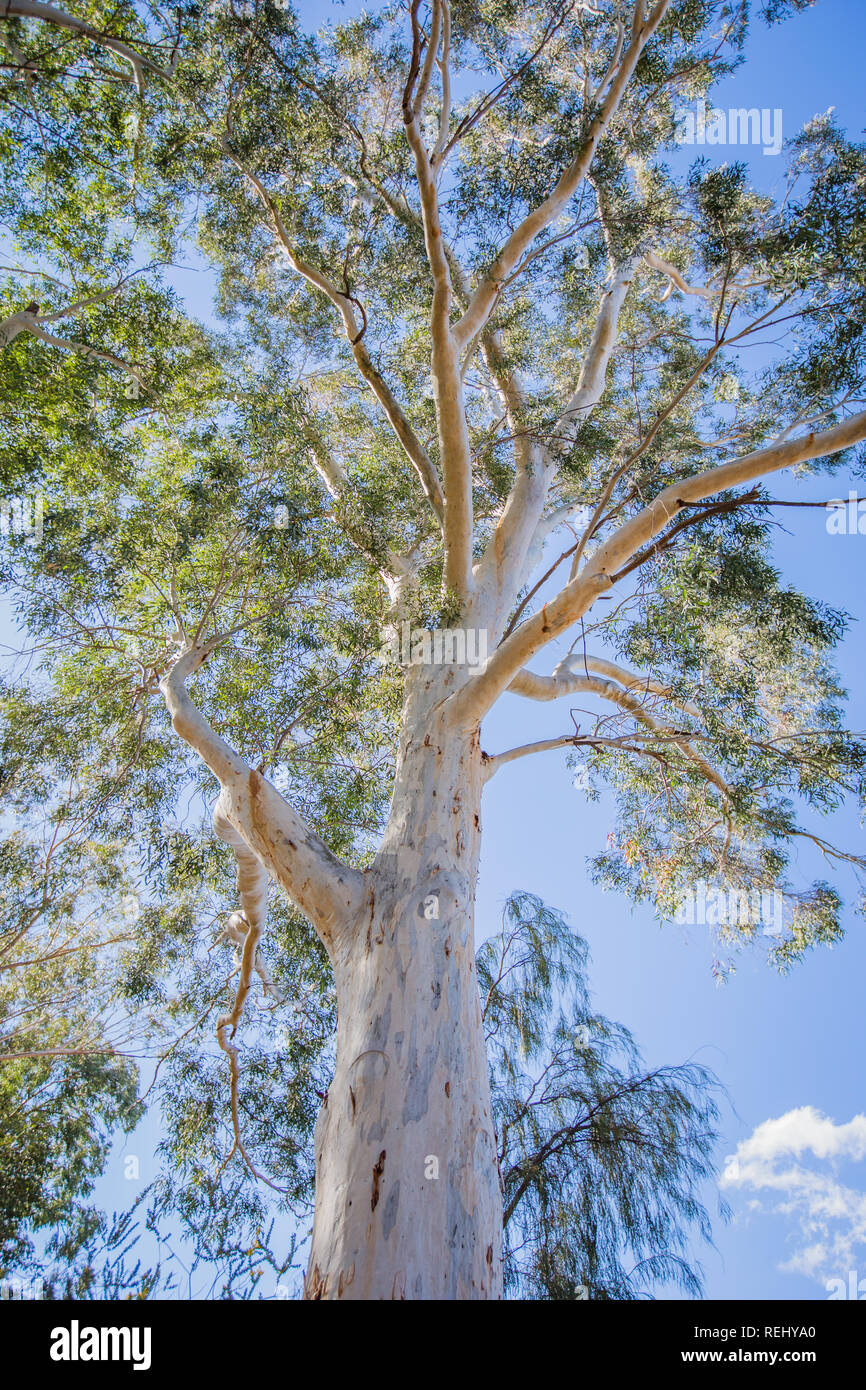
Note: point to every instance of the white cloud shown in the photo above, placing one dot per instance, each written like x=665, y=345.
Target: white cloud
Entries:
x=830, y=1218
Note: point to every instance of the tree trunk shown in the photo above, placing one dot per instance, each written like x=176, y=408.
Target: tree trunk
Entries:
x=408, y=1198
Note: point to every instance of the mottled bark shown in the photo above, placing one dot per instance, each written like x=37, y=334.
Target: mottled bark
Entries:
x=408, y=1200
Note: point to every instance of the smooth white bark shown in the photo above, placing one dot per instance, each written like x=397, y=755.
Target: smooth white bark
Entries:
x=408, y=1198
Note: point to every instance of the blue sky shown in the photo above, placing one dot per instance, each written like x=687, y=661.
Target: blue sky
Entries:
x=779, y=1045
x=787, y=1049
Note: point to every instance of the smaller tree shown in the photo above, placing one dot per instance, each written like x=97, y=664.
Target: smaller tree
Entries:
x=65, y=1085
x=602, y=1161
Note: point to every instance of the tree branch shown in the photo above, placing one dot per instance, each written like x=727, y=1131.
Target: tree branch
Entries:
x=25, y=321
x=472, y=701
x=31, y=9
x=413, y=447
x=487, y=293
x=326, y=890
x=454, y=448
x=507, y=553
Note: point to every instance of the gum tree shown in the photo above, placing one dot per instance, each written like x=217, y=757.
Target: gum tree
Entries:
x=485, y=364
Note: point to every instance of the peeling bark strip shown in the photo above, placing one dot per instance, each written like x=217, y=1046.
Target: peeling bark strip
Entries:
x=317, y=1285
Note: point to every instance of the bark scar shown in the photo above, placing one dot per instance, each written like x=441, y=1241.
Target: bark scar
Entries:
x=370, y=923
x=317, y=1285
x=378, y=1170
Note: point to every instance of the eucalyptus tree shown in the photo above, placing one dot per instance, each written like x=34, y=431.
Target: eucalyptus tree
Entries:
x=481, y=384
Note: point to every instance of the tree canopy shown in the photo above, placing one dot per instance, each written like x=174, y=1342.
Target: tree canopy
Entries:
x=263, y=477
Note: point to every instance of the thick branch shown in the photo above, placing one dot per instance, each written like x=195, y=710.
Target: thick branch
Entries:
x=25, y=321
x=596, y=576
x=454, y=447
x=326, y=890
x=31, y=9
x=577, y=665
x=569, y=683
x=253, y=893
x=521, y=238
x=511, y=545
x=493, y=763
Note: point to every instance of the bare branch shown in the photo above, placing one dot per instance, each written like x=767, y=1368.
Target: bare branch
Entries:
x=344, y=304
x=444, y=65
x=454, y=447
x=677, y=281
x=516, y=542
x=565, y=682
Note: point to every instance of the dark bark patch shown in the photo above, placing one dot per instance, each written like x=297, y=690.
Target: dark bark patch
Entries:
x=448, y=1088
x=378, y=1170
x=372, y=911
x=380, y=1030
x=370, y=1070
x=352, y=1099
